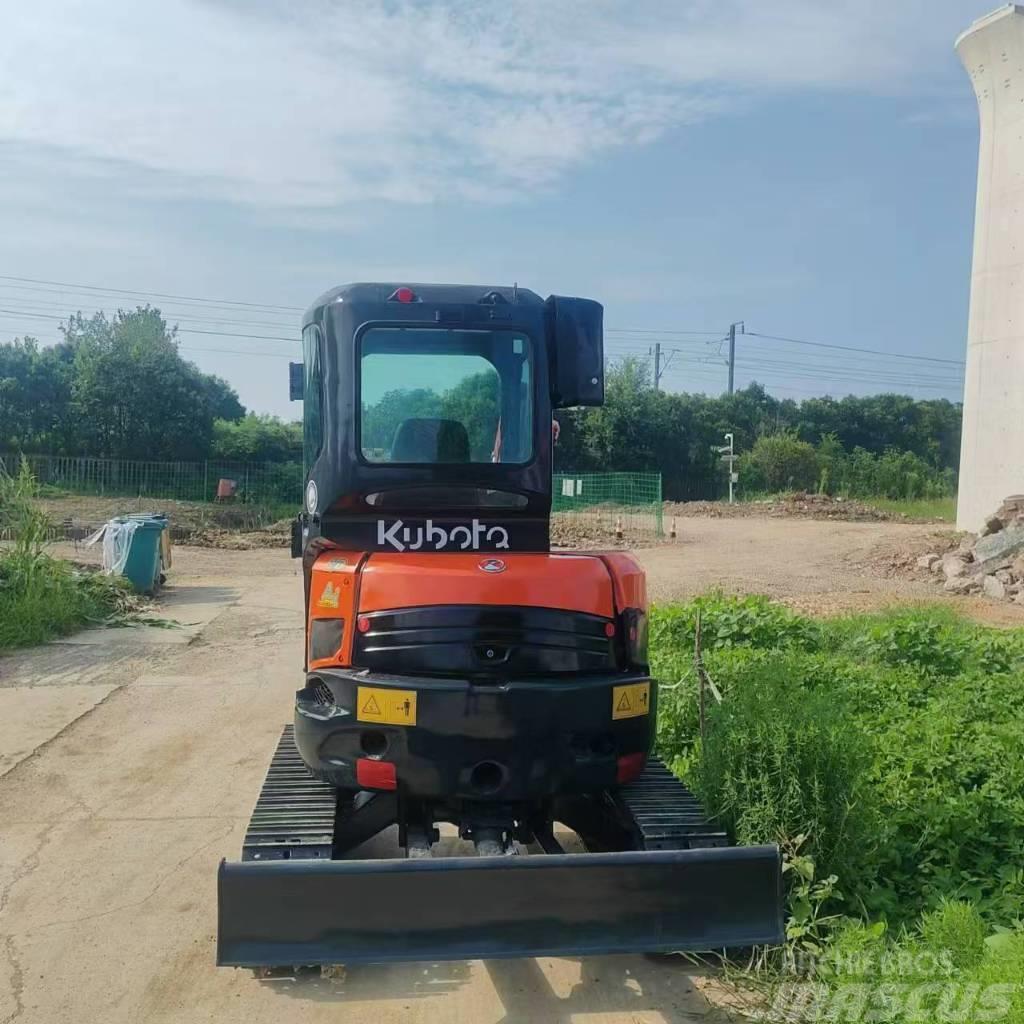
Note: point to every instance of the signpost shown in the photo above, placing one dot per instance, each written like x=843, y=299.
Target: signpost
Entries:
x=729, y=457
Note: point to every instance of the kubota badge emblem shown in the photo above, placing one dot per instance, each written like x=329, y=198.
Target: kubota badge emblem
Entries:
x=492, y=565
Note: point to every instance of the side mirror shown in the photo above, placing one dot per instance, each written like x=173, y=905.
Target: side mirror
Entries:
x=296, y=381
x=575, y=330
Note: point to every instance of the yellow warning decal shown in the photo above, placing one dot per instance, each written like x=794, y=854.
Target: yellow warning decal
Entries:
x=631, y=701
x=386, y=707
x=329, y=598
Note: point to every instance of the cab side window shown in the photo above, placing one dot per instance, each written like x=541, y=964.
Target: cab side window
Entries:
x=312, y=396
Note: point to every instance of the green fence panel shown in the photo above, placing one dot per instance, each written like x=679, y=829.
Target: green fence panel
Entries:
x=628, y=501
x=631, y=501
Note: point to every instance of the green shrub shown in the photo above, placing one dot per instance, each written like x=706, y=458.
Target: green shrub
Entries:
x=41, y=597
x=956, y=929
x=923, y=644
x=948, y=967
x=780, y=761
x=752, y=621
x=779, y=462
x=893, y=741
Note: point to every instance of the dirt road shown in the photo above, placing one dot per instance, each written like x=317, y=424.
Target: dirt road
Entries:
x=130, y=760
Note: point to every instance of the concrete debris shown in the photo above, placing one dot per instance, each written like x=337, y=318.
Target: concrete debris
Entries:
x=1005, y=544
x=1011, y=507
x=961, y=585
x=954, y=565
x=990, y=562
x=992, y=525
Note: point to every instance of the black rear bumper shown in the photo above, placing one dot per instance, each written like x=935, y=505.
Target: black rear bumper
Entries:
x=305, y=912
x=546, y=737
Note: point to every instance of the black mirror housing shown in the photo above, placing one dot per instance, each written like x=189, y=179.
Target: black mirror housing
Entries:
x=575, y=329
x=296, y=377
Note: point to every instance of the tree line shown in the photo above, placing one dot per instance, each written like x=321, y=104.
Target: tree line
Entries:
x=119, y=387
x=848, y=443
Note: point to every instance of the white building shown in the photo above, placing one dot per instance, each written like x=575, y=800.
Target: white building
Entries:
x=992, y=458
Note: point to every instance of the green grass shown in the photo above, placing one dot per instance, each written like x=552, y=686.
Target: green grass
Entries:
x=42, y=598
x=948, y=967
x=918, y=508
x=892, y=741
x=883, y=752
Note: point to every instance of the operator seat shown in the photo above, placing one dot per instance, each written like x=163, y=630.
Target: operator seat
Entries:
x=430, y=440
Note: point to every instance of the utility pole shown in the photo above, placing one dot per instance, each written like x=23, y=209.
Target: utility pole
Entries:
x=732, y=353
x=657, y=365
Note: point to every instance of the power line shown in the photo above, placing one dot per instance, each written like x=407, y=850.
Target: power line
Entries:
x=167, y=313
x=274, y=309
x=810, y=374
x=842, y=371
x=234, y=351
x=850, y=348
x=61, y=298
x=621, y=342
x=645, y=330
x=159, y=295
x=181, y=330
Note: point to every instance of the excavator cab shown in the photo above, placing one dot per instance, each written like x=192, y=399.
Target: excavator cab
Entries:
x=459, y=672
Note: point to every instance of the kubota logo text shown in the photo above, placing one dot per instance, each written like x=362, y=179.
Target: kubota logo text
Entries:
x=437, y=538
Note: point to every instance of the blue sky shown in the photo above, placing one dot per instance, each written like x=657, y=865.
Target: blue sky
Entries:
x=807, y=168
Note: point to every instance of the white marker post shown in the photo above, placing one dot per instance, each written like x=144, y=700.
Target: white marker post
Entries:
x=729, y=458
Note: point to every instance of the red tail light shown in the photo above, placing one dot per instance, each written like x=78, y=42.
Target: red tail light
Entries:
x=629, y=767
x=372, y=774
x=402, y=295
x=363, y=624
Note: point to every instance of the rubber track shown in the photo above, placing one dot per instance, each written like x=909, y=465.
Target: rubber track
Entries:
x=294, y=815
x=665, y=814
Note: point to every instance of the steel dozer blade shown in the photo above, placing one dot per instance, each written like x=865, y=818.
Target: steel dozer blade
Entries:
x=453, y=908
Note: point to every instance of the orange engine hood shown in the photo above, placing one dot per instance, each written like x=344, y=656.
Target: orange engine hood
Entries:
x=574, y=582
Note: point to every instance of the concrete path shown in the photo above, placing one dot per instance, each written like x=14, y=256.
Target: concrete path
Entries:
x=131, y=762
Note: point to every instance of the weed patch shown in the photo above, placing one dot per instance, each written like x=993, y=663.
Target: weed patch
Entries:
x=884, y=753
x=41, y=597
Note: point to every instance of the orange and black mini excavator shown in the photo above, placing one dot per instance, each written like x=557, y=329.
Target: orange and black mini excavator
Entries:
x=457, y=670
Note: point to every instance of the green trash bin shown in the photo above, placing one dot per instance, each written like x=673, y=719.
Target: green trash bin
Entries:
x=143, y=566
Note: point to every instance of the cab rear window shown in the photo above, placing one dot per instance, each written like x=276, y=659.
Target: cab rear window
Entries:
x=434, y=395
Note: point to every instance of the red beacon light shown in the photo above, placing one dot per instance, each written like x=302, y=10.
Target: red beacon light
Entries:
x=403, y=294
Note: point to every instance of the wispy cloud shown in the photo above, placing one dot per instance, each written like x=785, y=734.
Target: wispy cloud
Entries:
x=327, y=104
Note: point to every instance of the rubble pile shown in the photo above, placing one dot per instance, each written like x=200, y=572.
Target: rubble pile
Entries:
x=990, y=562
x=799, y=504
x=275, y=535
